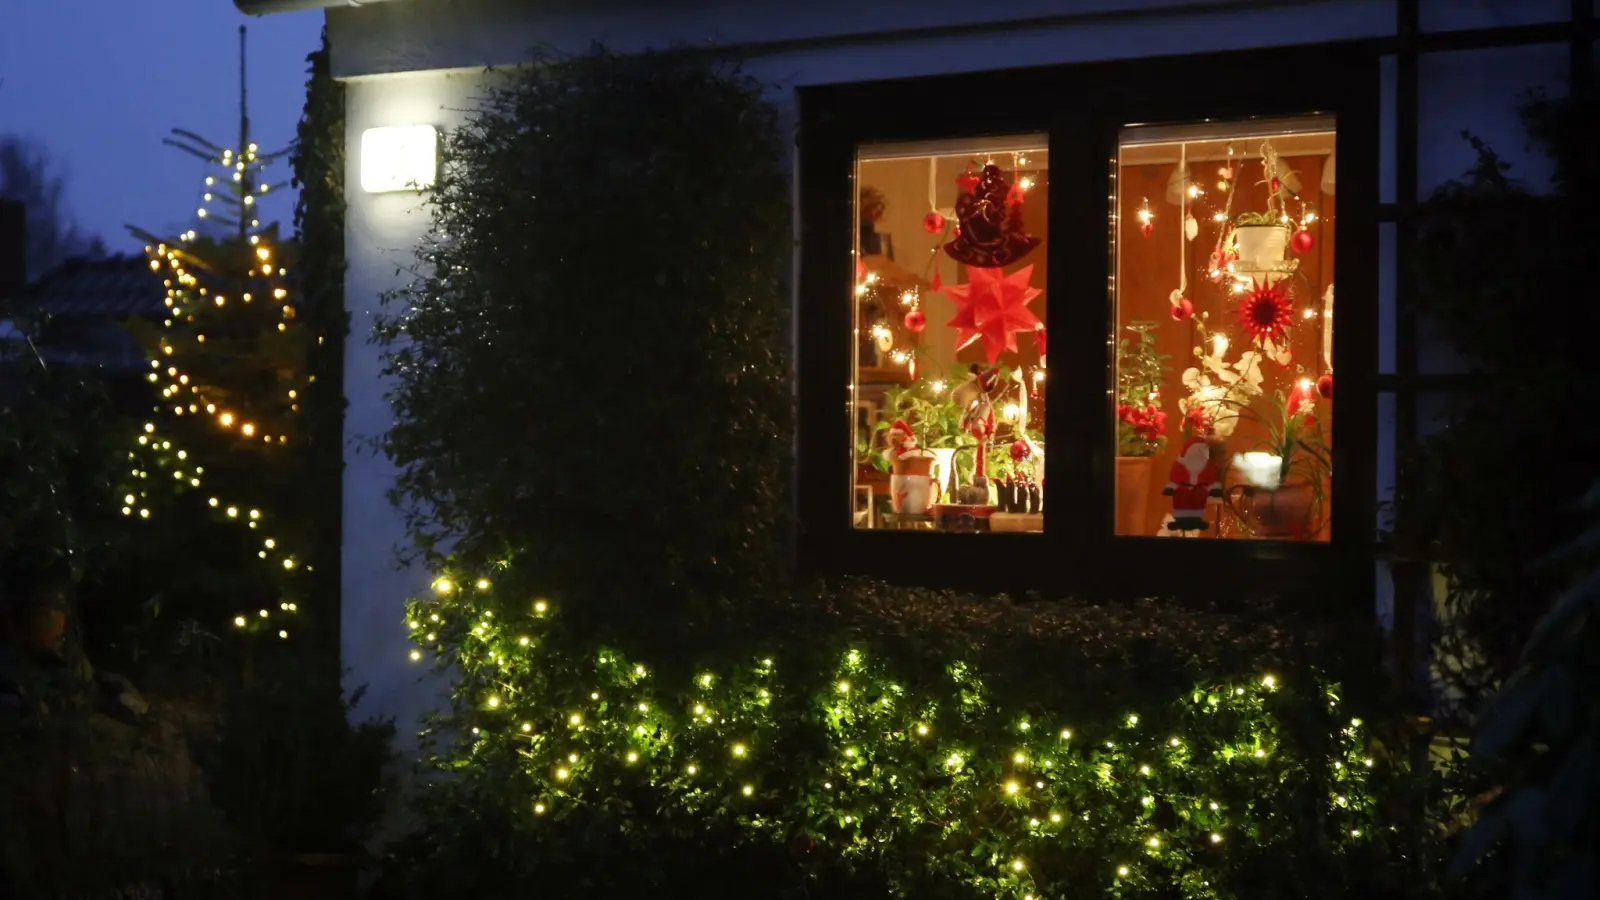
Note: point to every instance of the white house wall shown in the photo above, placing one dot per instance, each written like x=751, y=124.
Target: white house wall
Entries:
x=422, y=63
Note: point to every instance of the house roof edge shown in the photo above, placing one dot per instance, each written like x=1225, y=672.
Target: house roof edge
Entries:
x=268, y=7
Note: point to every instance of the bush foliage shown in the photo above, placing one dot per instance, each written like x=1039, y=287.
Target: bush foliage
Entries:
x=592, y=398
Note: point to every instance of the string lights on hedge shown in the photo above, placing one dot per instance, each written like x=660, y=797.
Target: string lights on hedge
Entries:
x=1006, y=792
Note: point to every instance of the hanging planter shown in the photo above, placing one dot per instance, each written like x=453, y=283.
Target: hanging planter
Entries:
x=1261, y=245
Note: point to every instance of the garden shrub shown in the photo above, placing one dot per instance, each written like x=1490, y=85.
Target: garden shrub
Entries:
x=592, y=395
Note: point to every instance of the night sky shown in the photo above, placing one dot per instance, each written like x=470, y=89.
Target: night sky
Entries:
x=100, y=83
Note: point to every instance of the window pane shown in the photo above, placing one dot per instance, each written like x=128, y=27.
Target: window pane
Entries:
x=949, y=342
x=1223, y=408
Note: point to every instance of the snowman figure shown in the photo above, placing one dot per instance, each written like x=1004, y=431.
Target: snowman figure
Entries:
x=1193, y=480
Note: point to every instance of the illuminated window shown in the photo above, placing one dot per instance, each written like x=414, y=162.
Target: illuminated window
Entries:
x=949, y=335
x=1223, y=403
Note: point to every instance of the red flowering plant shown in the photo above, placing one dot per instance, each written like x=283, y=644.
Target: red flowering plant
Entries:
x=1141, y=422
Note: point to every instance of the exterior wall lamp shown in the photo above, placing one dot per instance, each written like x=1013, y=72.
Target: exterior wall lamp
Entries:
x=399, y=158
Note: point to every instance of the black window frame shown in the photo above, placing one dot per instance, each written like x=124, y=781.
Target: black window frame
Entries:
x=1078, y=553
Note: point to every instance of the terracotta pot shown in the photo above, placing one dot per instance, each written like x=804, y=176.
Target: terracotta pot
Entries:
x=918, y=464
x=1284, y=511
x=1132, y=494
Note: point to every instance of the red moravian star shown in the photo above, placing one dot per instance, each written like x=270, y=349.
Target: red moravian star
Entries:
x=993, y=306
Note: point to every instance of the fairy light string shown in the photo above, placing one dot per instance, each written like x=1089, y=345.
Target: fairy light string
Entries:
x=1012, y=798
x=227, y=296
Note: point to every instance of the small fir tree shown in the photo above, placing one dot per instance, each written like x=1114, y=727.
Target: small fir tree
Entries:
x=229, y=363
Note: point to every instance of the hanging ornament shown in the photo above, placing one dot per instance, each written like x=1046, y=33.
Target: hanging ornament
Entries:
x=990, y=234
x=861, y=268
x=993, y=306
x=933, y=223
x=1325, y=385
x=916, y=321
x=1191, y=227
x=1302, y=241
x=1264, y=311
x=1020, y=451
x=1146, y=218
x=1182, y=308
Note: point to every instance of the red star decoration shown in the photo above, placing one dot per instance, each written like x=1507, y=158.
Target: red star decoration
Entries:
x=993, y=306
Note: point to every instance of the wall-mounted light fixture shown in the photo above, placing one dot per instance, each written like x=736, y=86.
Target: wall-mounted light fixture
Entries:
x=399, y=158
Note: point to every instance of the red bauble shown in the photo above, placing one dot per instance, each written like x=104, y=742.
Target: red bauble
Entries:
x=933, y=223
x=1276, y=185
x=916, y=321
x=1145, y=228
x=1325, y=385
x=1183, y=309
x=1264, y=311
x=1020, y=451
x=1302, y=241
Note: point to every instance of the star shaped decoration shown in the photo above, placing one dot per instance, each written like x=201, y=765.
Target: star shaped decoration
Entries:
x=993, y=306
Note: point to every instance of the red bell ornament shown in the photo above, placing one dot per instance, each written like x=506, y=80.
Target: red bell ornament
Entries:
x=916, y=321
x=1302, y=241
x=1182, y=309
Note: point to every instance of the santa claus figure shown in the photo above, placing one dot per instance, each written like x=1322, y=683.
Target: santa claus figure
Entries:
x=1193, y=481
x=900, y=439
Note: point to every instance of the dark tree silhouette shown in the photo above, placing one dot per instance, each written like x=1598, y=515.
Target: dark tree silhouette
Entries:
x=28, y=174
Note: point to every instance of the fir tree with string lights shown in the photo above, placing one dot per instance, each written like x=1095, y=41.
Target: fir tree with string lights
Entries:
x=229, y=363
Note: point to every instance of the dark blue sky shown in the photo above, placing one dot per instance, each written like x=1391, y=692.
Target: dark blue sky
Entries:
x=100, y=82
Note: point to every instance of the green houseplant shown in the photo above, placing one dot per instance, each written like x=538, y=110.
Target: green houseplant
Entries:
x=1141, y=422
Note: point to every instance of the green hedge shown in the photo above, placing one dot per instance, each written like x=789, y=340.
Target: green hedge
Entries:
x=593, y=402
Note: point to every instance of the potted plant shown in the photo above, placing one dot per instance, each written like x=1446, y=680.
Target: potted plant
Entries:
x=297, y=780
x=1141, y=423
x=1284, y=481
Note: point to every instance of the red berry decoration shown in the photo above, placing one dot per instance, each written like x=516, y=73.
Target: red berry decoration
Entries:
x=1302, y=241
x=933, y=223
x=916, y=321
x=1325, y=385
x=1183, y=309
